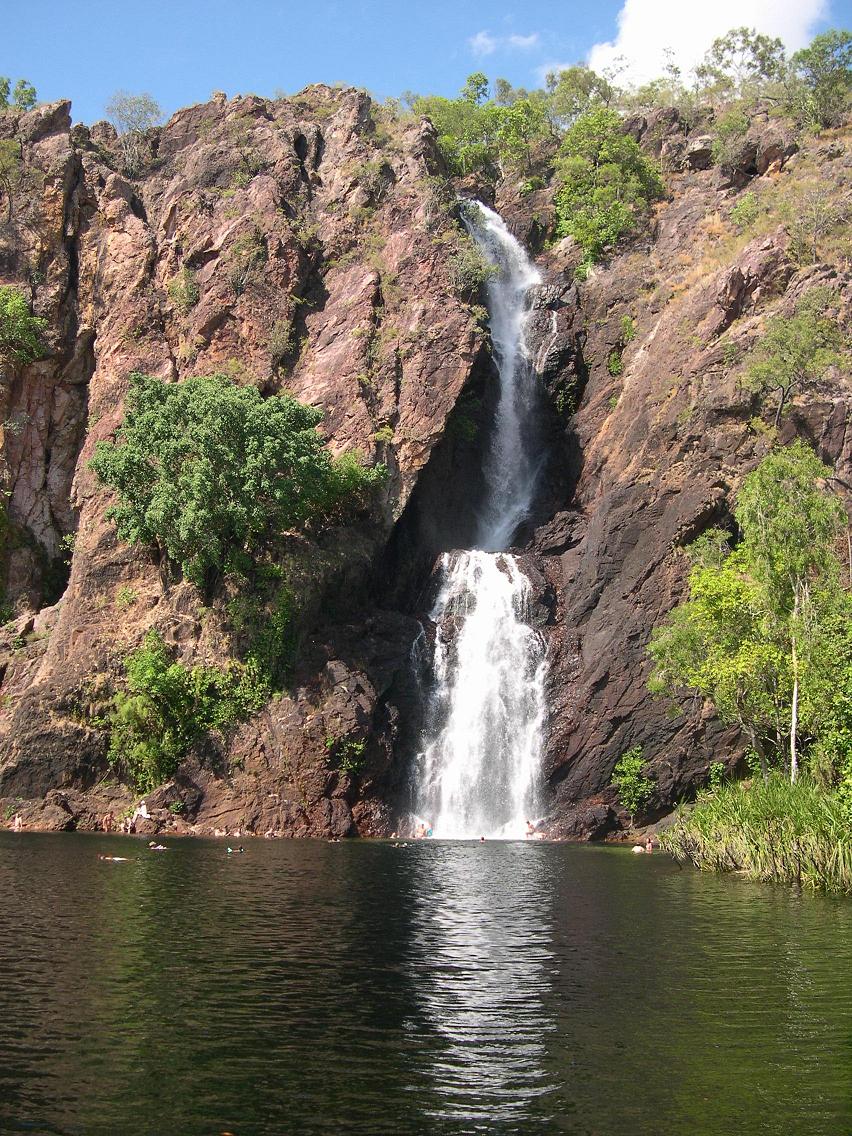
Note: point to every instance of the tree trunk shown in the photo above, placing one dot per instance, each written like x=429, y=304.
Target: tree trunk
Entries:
x=757, y=745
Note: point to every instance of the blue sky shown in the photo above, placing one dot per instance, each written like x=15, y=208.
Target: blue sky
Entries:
x=181, y=50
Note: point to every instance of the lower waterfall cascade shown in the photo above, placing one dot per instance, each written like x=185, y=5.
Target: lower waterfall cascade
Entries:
x=478, y=770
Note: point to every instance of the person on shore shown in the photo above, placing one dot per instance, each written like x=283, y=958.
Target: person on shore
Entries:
x=141, y=813
x=17, y=823
x=530, y=829
x=108, y=821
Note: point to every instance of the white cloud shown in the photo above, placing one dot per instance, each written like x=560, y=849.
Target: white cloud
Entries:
x=482, y=44
x=647, y=27
x=525, y=43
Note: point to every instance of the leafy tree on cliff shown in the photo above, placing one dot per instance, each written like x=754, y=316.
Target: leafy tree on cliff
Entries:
x=475, y=132
x=211, y=473
x=822, y=80
x=20, y=331
x=796, y=351
x=606, y=182
x=22, y=98
x=742, y=61
x=132, y=116
x=755, y=635
x=167, y=707
x=573, y=91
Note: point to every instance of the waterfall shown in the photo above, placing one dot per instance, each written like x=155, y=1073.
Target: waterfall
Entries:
x=478, y=770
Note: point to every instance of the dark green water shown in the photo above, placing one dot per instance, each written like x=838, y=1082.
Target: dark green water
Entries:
x=360, y=988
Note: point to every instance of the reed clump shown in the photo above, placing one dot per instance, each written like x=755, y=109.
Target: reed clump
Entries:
x=770, y=830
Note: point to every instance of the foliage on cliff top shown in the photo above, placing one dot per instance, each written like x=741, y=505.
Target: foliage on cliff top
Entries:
x=22, y=97
x=20, y=331
x=212, y=473
x=606, y=182
x=167, y=707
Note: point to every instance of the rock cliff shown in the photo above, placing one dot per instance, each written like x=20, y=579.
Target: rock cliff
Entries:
x=310, y=245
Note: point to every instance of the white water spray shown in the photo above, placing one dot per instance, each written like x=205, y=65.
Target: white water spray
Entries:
x=479, y=768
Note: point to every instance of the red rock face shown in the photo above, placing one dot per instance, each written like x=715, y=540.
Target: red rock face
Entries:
x=309, y=230
x=309, y=234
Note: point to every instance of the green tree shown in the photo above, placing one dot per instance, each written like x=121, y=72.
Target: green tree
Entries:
x=715, y=645
x=791, y=523
x=518, y=126
x=822, y=79
x=606, y=182
x=22, y=98
x=20, y=331
x=796, y=351
x=475, y=90
x=212, y=473
x=574, y=91
x=633, y=786
x=132, y=116
x=742, y=61
x=752, y=635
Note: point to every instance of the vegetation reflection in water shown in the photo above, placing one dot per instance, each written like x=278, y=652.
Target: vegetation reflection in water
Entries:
x=372, y=988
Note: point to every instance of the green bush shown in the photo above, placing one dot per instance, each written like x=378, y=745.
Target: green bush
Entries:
x=731, y=128
x=746, y=211
x=20, y=330
x=606, y=183
x=211, y=473
x=468, y=268
x=183, y=290
x=266, y=617
x=245, y=258
x=796, y=351
x=634, y=788
x=167, y=707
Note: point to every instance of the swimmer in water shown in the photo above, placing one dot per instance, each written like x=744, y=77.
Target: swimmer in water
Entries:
x=152, y=844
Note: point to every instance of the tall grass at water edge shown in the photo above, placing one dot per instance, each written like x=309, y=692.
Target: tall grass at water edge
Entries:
x=770, y=831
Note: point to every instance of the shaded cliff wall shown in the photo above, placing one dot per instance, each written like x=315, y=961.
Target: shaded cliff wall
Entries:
x=663, y=434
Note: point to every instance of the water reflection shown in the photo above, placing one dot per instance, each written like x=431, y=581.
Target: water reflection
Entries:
x=431, y=988
x=482, y=949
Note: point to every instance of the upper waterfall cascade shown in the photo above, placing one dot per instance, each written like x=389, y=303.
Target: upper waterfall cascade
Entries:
x=479, y=767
